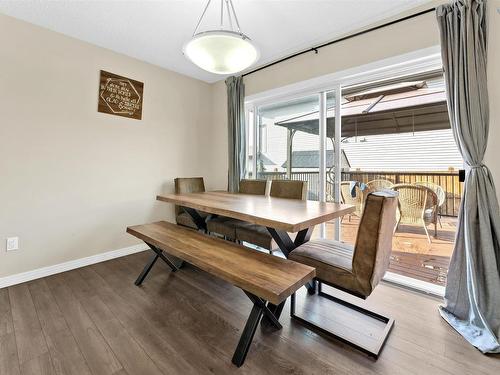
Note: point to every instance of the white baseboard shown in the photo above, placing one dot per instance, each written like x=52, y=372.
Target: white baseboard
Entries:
x=68, y=266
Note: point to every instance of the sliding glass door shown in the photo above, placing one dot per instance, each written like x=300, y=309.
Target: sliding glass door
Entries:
x=295, y=139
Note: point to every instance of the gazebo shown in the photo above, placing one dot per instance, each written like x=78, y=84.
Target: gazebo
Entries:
x=398, y=108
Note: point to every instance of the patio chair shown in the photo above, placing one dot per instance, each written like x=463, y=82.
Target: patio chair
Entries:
x=225, y=226
x=188, y=185
x=378, y=185
x=354, y=269
x=347, y=198
x=417, y=205
x=259, y=235
x=441, y=196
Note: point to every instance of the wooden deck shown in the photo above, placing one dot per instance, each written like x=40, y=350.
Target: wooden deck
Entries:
x=412, y=255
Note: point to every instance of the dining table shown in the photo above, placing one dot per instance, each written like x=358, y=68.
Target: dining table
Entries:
x=279, y=215
x=290, y=222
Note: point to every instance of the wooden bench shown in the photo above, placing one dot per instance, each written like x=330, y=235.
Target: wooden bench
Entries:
x=267, y=280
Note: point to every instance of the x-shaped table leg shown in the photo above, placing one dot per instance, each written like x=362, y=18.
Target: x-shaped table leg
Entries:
x=259, y=309
x=286, y=246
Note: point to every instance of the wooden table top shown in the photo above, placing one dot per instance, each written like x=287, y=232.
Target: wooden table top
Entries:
x=290, y=215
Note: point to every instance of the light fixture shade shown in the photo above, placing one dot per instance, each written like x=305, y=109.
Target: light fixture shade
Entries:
x=221, y=51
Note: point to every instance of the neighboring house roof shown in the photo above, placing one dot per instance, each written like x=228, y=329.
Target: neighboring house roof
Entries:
x=263, y=159
x=310, y=159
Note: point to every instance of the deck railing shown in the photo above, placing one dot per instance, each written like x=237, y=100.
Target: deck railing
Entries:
x=447, y=180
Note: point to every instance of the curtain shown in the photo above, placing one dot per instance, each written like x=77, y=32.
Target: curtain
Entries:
x=472, y=297
x=236, y=131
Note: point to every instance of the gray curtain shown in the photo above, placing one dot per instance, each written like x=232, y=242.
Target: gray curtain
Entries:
x=472, y=298
x=236, y=131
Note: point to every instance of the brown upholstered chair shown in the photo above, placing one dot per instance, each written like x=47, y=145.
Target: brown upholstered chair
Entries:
x=226, y=226
x=289, y=189
x=355, y=270
x=259, y=235
x=188, y=185
x=256, y=187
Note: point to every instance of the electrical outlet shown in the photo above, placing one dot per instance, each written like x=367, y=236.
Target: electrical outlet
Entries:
x=12, y=243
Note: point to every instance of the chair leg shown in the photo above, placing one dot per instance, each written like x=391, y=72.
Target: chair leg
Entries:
x=373, y=350
x=426, y=231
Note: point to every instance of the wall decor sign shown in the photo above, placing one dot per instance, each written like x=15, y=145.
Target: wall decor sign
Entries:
x=120, y=96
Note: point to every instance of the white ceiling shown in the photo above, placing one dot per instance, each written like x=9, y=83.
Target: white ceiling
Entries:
x=155, y=31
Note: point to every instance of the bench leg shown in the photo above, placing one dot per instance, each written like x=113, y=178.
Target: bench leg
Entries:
x=146, y=269
x=259, y=309
x=266, y=309
x=158, y=253
x=247, y=336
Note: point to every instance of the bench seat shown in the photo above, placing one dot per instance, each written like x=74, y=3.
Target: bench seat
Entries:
x=267, y=280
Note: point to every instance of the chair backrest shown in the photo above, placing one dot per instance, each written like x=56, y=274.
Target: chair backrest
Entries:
x=256, y=187
x=290, y=189
x=377, y=185
x=188, y=185
x=347, y=198
x=374, y=240
x=441, y=195
x=413, y=201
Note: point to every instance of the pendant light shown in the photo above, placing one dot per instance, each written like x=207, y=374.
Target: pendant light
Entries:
x=221, y=51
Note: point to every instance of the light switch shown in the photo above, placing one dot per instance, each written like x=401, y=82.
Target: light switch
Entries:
x=12, y=243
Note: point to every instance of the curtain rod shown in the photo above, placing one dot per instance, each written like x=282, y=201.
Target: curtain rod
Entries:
x=316, y=48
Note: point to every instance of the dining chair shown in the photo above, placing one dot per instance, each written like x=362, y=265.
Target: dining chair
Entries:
x=440, y=193
x=225, y=226
x=259, y=235
x=188, y=185
x=290, y=189
x=357, y=269
x=417, y=205
x=256, y=187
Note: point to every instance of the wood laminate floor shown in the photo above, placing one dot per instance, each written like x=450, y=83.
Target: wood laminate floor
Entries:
x=94, y=320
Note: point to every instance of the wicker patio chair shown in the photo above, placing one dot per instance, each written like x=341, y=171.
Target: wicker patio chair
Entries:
x=378, y=185
x=417, y=205
x=441, y=196
x=347, y=198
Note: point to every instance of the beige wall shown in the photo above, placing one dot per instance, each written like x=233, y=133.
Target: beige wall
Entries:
x=72, y=179
x=404, y=37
